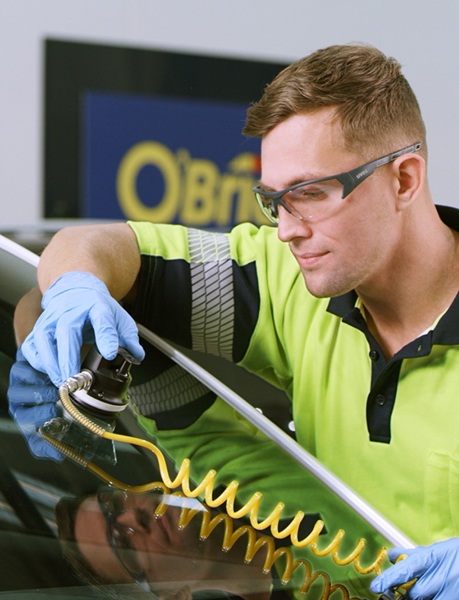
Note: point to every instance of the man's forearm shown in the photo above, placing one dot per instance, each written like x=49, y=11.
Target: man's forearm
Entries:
x=27, y=312
x=109, y=252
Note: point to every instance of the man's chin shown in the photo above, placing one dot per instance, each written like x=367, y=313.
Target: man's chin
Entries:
x=324, y=289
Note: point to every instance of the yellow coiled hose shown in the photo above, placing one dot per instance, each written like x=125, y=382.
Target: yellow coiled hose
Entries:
x=206, y=487
x=255, y=543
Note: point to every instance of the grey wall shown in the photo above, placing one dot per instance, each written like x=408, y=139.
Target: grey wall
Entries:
x=421, y=34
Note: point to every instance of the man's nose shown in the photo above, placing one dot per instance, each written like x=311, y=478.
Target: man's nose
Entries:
x=128, y=519
x=290, y=227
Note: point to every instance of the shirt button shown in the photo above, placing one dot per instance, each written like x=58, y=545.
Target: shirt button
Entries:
x=380, y=399
x=374, y=355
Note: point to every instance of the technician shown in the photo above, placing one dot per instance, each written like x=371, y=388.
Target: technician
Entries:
x=368, y=349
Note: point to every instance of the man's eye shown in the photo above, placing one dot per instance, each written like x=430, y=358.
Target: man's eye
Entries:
x=307, y=193
x=117, y=503
x=267, y=202
x=113, y=502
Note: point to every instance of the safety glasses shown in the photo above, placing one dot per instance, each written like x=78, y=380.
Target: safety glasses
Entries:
x=112, y=503
x=313, y=200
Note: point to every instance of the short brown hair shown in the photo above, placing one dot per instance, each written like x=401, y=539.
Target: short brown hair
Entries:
x=375, y=105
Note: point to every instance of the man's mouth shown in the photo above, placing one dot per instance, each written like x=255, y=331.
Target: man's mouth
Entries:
x=309, y=258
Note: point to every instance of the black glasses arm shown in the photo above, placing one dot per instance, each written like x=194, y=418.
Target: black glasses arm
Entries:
x=351, y=179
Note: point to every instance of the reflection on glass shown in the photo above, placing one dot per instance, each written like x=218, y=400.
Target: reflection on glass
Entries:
x=113, y=543
x=152, y=544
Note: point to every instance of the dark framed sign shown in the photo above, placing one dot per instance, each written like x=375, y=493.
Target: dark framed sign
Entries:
x=149, y=135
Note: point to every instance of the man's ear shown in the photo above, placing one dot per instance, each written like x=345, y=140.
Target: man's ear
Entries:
x=409, y=177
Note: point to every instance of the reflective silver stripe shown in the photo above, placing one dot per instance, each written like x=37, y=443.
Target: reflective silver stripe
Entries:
x=212, y=312
x=172, y=389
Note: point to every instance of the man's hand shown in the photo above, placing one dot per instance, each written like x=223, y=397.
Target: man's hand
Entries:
x=32, y=399
x=435, y=567
x=78, y=308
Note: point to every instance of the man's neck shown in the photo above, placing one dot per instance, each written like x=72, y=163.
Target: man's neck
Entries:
x=419, y=285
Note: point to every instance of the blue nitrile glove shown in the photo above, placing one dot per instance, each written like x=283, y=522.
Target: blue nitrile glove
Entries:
x=32, y=399
x=435, y=567
x=78, y=308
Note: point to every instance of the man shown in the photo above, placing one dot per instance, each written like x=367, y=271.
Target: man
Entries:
x=372, y=372
x=167, y=543
x=98, y=533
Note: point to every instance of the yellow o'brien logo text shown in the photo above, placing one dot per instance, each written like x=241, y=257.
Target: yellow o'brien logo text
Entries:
x=196, y=192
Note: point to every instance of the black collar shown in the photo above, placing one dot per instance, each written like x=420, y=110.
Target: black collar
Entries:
x=447, y=330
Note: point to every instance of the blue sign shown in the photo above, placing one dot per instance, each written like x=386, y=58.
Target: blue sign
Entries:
x=168, y=160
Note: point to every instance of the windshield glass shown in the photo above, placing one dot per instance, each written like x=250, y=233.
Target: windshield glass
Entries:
x=69, y=531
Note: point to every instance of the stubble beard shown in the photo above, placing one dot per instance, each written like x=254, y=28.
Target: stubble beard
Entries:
x=336, y=284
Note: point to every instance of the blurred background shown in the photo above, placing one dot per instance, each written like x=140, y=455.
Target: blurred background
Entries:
x=115, y=109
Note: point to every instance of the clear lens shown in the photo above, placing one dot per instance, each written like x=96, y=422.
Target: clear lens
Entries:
x=307, y=202
x=268, y=207
x=317, y=195
x=113, y=504
x=122, y=543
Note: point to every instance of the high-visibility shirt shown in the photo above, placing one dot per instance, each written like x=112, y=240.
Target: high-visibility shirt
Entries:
x=389, y=429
